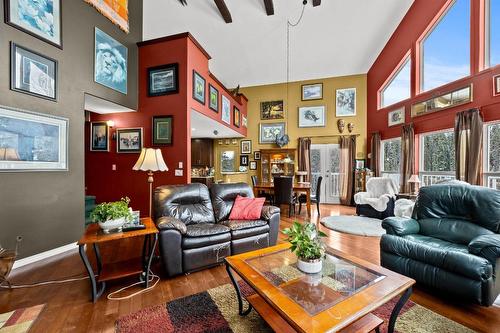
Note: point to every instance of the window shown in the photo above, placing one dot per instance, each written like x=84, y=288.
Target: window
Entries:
x=492, y=156
x=398, y=88
x=445, y=50
x=437, y=157
x=390, y=159
x=492, y=32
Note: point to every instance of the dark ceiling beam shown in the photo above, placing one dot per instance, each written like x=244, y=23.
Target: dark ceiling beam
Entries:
x=269, y=7
x=224, y=11
x=316, y=3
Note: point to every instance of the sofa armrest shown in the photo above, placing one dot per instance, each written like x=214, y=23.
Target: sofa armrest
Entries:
x=268, y=212
x=271, y=214
x=169, y=223
x=486, y=246
x=400, y=226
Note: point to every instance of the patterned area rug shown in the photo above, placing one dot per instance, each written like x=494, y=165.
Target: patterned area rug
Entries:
x=19, y=321
x=216, y=310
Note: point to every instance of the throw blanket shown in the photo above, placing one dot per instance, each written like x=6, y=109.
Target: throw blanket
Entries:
x=378, y=193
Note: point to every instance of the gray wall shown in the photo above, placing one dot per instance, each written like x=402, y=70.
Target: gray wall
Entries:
x=47, y=208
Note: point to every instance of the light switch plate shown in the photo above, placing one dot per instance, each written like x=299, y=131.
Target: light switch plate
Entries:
x=113, y=167
x=178, y=173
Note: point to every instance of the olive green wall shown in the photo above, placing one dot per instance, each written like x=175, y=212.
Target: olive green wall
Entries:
x=47, y=208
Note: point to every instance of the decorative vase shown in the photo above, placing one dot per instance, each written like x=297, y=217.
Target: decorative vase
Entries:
x=310, y=266
x=109, y=225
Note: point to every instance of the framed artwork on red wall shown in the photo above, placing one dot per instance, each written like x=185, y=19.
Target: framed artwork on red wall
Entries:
x=496, y=85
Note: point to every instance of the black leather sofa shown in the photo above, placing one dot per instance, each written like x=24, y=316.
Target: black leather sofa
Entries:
x=195, y=230
x=451, y=243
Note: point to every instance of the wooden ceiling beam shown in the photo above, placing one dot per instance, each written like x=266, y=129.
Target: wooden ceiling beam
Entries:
x=269, y=7
x=316, y=3
x=224, y=11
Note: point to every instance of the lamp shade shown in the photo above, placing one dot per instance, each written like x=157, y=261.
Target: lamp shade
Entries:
x=150, y=160
x=414, y=179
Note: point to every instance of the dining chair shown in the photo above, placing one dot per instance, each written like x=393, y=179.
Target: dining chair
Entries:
x=314, y=198
x=262, y=194
x=283, y=193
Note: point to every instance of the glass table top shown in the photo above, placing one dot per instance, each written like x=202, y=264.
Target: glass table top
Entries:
x=339, y=279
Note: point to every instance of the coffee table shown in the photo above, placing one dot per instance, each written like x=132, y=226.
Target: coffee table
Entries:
x=343, y=295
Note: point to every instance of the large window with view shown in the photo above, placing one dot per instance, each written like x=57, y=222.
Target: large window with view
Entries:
x=390, y=159
x=492, y=33
x=398, y=87
x=437, y=157
x=492, y=156
x=445, y=50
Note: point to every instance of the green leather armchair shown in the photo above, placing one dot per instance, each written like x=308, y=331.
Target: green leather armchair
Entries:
x=451, y=243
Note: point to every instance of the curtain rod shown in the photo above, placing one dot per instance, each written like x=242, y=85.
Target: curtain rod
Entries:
x=331, y=136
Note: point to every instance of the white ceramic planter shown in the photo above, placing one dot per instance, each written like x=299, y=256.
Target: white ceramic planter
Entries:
x=112, y=224
x=310, y=267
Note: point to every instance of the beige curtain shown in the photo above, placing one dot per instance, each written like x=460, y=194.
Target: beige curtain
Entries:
x=304, y=158
x=469, y=146
x=347, y=163
x=375, y=151
x=407, y=156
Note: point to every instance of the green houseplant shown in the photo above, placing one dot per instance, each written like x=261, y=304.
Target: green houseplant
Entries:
x=307, y=245
x=111, y=215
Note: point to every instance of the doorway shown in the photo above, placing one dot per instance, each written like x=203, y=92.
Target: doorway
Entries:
x=325, y=162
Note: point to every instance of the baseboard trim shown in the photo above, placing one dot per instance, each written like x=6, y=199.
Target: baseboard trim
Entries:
x=44, y=255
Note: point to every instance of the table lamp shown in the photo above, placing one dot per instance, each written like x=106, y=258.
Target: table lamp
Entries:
x=150, y=160
x=414, y=181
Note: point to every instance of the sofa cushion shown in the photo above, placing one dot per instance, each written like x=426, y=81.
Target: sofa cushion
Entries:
x=440, y=253
x=223, y=196
x=197, y=242
x=243, y=224
x=205, y=229
x=247, y=208
x=249, y=232
x=452, y=229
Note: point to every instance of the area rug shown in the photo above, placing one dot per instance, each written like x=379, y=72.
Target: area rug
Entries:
x=19, y=321
x=356, y=225
x=216, y=310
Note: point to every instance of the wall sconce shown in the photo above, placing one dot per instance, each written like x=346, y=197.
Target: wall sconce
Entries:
x=111, y=124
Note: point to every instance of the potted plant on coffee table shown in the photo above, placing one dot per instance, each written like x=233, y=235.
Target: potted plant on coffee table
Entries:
x=307, y=245
x=112, y=215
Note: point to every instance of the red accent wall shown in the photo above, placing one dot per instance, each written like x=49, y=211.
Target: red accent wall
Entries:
x=109, y=185
x=421, y=14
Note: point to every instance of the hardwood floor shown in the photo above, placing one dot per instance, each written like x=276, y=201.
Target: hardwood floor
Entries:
x=69, y=308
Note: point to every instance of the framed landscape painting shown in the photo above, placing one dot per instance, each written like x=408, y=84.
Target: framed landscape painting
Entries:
x=312, y=116
x=163, y=80
x=99, y=136
x=345, y=102
x=32, y=73
x=312, y=91
x=129, y=140
x=226, y=110
x=115, y=10
x=32, y=141
x=110, y=62
x=198, y=87
x=162, y=130
x=268, y=132
x=41, y=19
x=396, y=117
x=213, y=98
x=272, y=110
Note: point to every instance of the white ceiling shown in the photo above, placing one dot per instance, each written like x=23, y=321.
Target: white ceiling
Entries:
x=103, y=106
x=205, y=127
x=340, y=37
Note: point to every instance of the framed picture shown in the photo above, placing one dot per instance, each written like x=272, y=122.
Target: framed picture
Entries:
x=213, y=98
x=360, y=164
x=253, y=165
x=243, y=160
x=32, y=73
x=198, y=87
x=396, y=117
x=268, y=132
x=99, y=136
x=163, y=80
x=41, y=19
x=116, y=11
x=244, y=121
x=129, y=140
x=312, y=116
x=312, y=91
x=496, y=85
x=32, y=141
x=110, y=62
x=246, y=146
x=162, y=130
x=345, y=101
x=236, y=116
x=272, y=110
x=226, y=110
x=256, y=155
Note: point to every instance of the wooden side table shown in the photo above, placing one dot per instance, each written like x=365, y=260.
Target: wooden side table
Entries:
x=94, y=236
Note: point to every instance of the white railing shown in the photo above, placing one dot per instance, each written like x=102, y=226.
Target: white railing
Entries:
x=431, y=178
x=395, y=176
x=492, y=181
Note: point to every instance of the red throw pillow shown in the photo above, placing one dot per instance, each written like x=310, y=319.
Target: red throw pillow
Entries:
x=247, y=208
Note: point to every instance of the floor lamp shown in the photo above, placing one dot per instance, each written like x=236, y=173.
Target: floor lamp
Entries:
x=150, y=160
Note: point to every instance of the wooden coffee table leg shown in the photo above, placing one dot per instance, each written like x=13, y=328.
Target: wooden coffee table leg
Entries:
x=397, y=308
x=238, y=293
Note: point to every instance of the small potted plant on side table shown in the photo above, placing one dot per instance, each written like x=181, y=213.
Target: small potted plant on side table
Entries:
x=112, y=215
x=307, y=245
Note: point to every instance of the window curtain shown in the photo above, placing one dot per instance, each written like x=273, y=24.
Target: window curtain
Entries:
x=375, y=157
x=469, y=146
x=407, y=156
x=347, y=163
x=305, y=156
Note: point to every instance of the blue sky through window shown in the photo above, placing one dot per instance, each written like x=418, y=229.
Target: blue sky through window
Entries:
x=494, y=32
x=399, y=88
x=446, y=50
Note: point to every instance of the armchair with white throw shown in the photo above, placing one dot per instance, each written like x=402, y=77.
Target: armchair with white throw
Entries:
x=378, y=200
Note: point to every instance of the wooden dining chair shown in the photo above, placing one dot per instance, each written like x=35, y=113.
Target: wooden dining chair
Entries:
x=314, y=198
x=283, y=193
x=262, y=194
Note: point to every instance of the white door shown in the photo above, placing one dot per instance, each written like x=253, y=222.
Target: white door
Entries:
x=325, y=162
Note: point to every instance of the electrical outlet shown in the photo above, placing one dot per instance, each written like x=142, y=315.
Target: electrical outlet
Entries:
x=178, y=173
x=181, y=165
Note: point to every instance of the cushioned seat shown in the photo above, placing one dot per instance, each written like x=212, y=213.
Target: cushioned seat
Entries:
x=205, y=229
x=197, y=242
x=243, y=224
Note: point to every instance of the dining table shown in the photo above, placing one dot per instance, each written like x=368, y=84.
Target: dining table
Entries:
x=297, y=188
